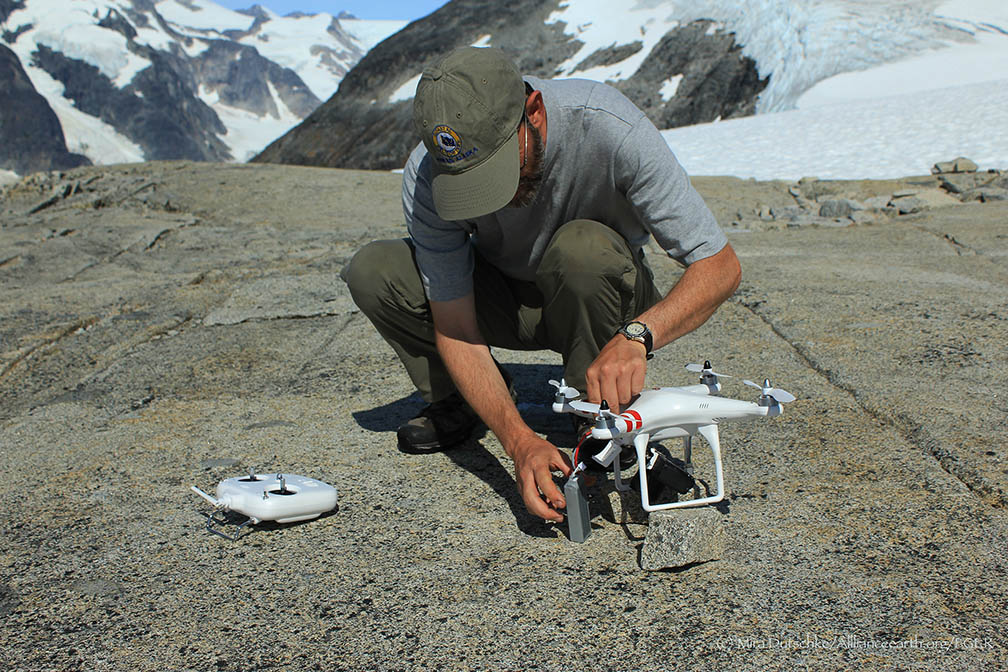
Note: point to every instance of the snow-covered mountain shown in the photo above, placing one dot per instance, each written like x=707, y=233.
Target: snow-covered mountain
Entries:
x=683, y=62
x=128, y=80
x=131, y=80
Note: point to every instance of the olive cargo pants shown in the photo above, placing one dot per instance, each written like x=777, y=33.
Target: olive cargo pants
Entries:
x=588, y=284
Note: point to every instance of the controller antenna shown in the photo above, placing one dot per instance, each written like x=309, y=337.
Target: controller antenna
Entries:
x=215, y=502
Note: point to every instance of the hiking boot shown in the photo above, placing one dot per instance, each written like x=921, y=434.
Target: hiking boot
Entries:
x=444, y=424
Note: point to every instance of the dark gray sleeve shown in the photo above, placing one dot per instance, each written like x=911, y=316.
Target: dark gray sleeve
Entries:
x=659, y=189
x=444, y=253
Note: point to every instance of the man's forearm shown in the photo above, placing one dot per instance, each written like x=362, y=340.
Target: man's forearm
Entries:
x=480, y=382
x=704, y=286
x=618, y=373
x=467, y=358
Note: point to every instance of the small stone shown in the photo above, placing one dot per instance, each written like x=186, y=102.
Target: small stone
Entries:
x=839, y=207
x=907, y=205
x=878, y=203
x=958, y=183
x=958, y=165
x=993, y=194
x=926, y=198
x=680, y=537
x=786, y=212
x=864, y=217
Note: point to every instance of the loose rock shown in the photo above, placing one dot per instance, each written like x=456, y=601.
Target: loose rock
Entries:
x=992, y=194
x=839, y=207
x=958, y=165
x=907, y=205
x=677, y=538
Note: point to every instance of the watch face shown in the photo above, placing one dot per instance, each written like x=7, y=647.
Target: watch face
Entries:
x=635, y=329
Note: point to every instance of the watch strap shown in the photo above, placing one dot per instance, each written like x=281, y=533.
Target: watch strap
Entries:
x=644, y=336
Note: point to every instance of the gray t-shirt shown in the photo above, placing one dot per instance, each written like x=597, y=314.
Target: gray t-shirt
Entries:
x=604, y=161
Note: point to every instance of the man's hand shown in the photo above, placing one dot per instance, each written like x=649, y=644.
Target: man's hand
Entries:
x=617, y=374
x=535, y=461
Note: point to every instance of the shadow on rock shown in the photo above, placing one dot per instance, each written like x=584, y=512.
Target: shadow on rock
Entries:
x=480, y=462
x=388, y=417
x=530, y=384
x=534, y=399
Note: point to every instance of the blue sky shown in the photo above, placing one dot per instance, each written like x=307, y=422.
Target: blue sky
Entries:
x=406, y=10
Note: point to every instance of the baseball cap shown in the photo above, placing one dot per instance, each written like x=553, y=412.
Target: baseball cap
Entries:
x=467, y=109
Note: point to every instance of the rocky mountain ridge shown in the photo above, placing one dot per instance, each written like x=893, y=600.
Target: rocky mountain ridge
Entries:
x=366, y=124
x=132, y=80
x=29, y=130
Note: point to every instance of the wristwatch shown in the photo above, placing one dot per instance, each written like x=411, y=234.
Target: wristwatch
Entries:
x=638, y=331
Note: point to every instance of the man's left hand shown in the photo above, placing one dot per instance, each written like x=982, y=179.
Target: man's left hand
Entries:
x=617, y=374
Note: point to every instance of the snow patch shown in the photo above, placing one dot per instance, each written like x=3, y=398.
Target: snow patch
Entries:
x=97, y=46
x=249, y=133
x=369, y=32
x=872, y=139
x=8, y=177
x=406, y=91
x=600, y=24
x=84, y=134
x=157, y=38
x=130, y=68
x=203, y=15
x=669, y=87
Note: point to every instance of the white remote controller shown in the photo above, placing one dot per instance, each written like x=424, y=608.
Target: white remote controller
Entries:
x=284, y=498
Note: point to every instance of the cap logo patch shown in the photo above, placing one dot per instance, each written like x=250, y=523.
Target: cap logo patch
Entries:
x=448, y=141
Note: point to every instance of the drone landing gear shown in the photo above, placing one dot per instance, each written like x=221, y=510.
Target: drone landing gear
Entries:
x=670, y=476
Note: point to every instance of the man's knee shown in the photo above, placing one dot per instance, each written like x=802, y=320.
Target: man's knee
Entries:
x=586, y=248
x=374, y=270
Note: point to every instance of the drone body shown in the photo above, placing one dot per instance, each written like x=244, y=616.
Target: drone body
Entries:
x=665, y=413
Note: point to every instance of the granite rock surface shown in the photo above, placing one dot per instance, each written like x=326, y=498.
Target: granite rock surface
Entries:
x=174, y=324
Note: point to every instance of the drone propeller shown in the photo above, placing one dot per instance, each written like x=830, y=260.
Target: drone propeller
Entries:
x=568, y=392
x=585, y=407
x=705, y=369
x=775, y=393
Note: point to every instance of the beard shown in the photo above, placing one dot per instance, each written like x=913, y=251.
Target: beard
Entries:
x=528, y=185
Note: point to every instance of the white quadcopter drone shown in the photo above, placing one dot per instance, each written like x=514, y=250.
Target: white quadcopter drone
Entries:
x=657, y=414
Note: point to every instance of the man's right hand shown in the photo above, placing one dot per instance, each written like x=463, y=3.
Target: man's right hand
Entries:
x=467, y=358
x=535, y=460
